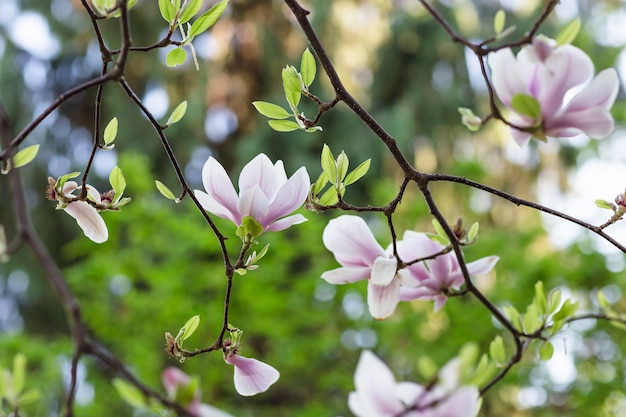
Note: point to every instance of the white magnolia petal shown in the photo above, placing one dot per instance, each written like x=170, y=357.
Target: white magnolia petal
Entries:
x=409, y=393
x=290, y=196
x=206, y=410
x=260, y=172
x=252, y=376
x=346, y=275
x=595, y=122
x=482, y=265
x=505, y=78
x=172, y=378
x=218, y=185
x=253, y=203
x=286, y=222
x=465, y=402
x=351, y=241
x=209, y=204
x=375, y=388
x=89, y=220
x=383, y=300
x=601, y=92
x=384, y=270
x=440, y=301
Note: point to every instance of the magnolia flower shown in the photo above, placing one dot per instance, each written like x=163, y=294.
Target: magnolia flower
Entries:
x=559, y=78
x=251, y=376
x=86, y=215
x=180, y=388
x=379, y=395
x=265, y=193
x=361, y=257
x=434, y=277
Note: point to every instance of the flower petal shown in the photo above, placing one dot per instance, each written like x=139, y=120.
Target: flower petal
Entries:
x=206, y=410
x=261, y=172
x=290, y=196
x=383, y=300
x=505, y=77
x=346, y=275
x=351, y=241
x=172, y=378
x=218, y=185
x=212, y=206
x=483, y=265
x=383, y=270
x=601, y=92
x=253, y=203
x=286, y=222
x=89, y=220
x=252, y=376
x=375, y=389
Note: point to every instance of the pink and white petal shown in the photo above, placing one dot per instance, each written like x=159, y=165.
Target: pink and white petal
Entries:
x=218, y=185
x=409, y=393
x=252, y=376
x=441, y=267
x=290, y=196
x=482, y=265
x=375, y=387
x=465, y=402
x=407, y=279
x=384, y=270
x=359, y=406
x=205, y=410
x=383, y=300
x=595, y=122
x=416, y=245
x=285, y=223
x=172, y=378
x=253, y=203
x=600, y=92
x=351, y=241
x=419, y=293
x=260, y=172
x=89, y=220
x=504, y=75
x=69, y=187
x=440, y=301
x=93, y=194
x=209, y=204
x=520, y=137
x=346, y=275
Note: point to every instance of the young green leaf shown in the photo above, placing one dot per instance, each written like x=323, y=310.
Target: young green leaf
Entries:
x=291, y=85
x=496, y=350
x=190, y=11
x=110, y=131
x=514, y=317
x=175, y=57
x=165, y=192
x=342, y=166
x=129, y=393
x=498, y=21
x=283, y=125
x=546, y=351
x=532, y=323
x=526, y=105
x=540, y=300
x=554, y=302
x=329, y=197
x=25, y=156
x=473, y=232
x=567, y=310
x=177, y=114
x=329, y=165
x=439, y=230
x=469, y=119
x=118, y=182
x=569, y=33
x=28, y=397
x=167, y=10
x=190, y=327
x=19, y=373
x=207, y=20
x=270, y=110
x=307, y=67
x=603, y=302
x=319, y=184
x=603, y=204
x=313, y=129
x=358, y=172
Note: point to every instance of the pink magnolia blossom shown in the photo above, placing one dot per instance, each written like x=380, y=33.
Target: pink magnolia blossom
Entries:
x=559, y=77
x=379, y=395
x=175, y=382
x=433, y=277
x=265, y=193
x=251, y=376
x=87, y=216
x=362, y=258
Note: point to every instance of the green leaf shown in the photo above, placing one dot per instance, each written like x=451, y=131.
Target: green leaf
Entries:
x=540, y=298
x=165, y=192
x=25, y=156
x=499, y=20
x=567, y=310
x=307, y=67
x=342, y=166
x=531, y=319
x=249, y=227
x=175, y=57
x=603, y=302
x=190, y=10
x=130, y=393
x=19, y=373
x=329, y=197
x=270, y=110
x=291, y=85
x=472, y=122
x=64, y=178
x=439, y=230
x=546, y=351
x=329, y=165
x=28, y=397
x=513, y=315
x=167, y=10
x=603, y=204
x=206, y=20
x=110, y=131
x=118, y=182
x=555, y=301
x=526, y=105
x=283, y=125
x=313, y=129
x=319, y=184
x=473, y=232
x=358, y=172
x=569, y=33
x=190, y=327
x=496, y=350
x=178, y=113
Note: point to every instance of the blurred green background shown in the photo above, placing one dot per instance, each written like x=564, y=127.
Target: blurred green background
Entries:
x=162, y=264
